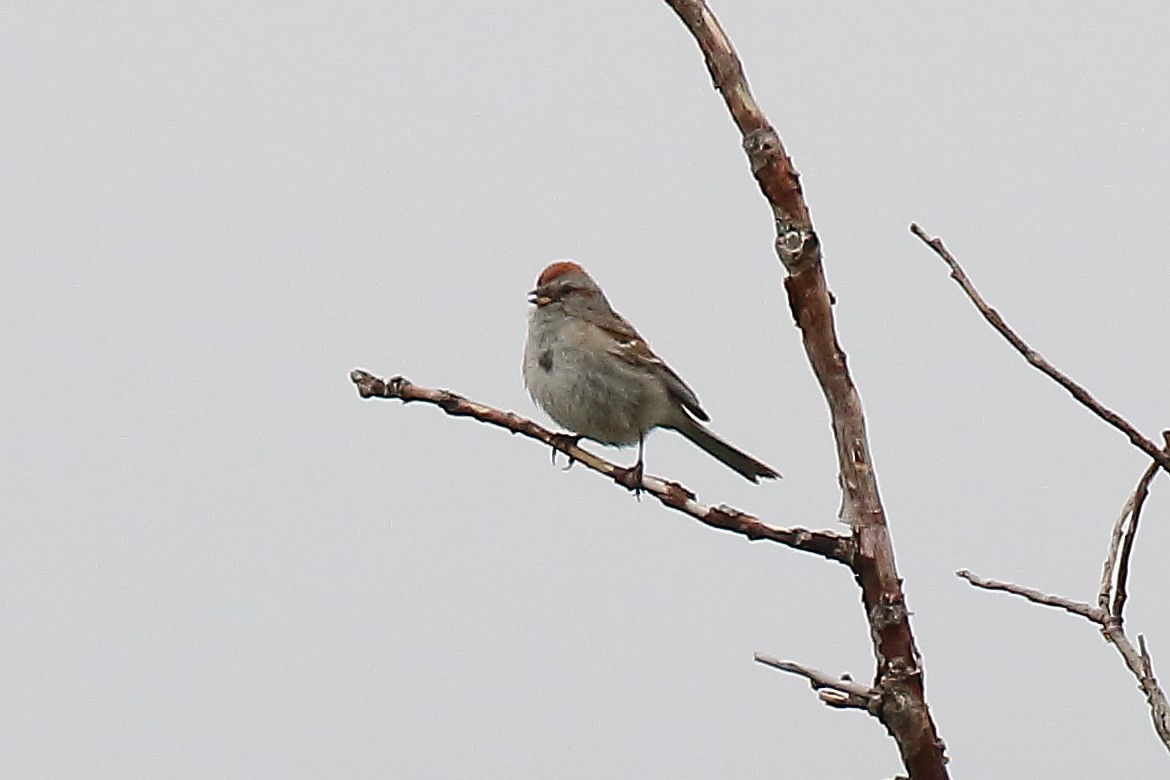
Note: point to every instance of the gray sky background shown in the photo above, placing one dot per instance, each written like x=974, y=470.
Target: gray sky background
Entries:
x=216, y=561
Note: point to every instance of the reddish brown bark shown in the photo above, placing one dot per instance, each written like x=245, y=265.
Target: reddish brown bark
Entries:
x=898, y=677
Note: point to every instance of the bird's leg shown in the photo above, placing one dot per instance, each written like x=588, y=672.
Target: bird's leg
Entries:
x=562, y=441
x=631, y=478
x=638, y=469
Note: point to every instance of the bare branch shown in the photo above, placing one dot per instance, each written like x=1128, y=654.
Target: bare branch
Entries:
x=834, y=691
x=1036, y=359
x=827, y=544
x=1140, y=493
x=1088, y=611
x=903, y=709
x=1108, y=616
x=1139, y=663
x=1106, y=589
x=1159, y=709
x=1142, y=667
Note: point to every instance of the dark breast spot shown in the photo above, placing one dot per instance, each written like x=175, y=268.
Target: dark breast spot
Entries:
x=545, y=360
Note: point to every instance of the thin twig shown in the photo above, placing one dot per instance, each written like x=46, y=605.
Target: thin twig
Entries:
x=1036, y=359
x=1120, y=592
x=1088, y=611
x=1106, y=590
x=834, y=691
x=1121, y=543
x=827, y=544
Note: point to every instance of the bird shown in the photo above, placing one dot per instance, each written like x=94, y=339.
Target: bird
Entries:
x=595, y=375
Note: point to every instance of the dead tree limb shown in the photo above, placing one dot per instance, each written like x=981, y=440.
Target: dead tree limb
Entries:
x=899, y=675
x=1109, y=613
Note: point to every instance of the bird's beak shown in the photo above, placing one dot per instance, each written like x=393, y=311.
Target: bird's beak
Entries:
x=534, y=296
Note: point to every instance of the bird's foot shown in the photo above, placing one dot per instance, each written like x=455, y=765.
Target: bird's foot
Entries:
x=562, y=441
x=631, y=479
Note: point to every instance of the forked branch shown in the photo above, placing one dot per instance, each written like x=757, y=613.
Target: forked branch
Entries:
x=1138, y=661
x=1108, y=613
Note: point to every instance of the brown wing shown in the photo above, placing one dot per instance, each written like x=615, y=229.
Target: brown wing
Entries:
x=632, y=348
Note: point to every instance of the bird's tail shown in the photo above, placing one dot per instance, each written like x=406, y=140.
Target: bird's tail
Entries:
x=737, y=460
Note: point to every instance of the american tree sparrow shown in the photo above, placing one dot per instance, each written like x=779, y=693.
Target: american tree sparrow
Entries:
x=595, y=375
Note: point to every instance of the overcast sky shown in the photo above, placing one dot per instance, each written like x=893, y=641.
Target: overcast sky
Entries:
x=217, y=561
